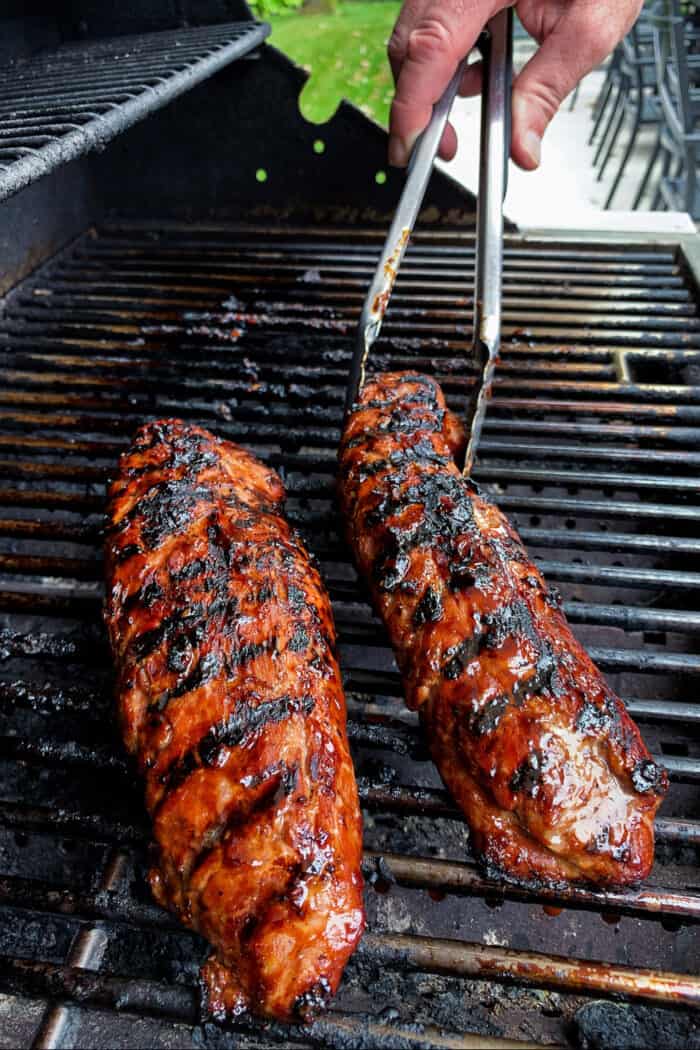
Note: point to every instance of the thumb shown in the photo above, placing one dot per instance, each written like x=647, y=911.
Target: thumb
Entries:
x=538, y=91
x=576, y=45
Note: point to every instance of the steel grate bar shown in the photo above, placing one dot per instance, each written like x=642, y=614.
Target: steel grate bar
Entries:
x=451, y=958
x=73, y=754
x=181, y=1003
x=402, y=799
x=119, y=82
x=461, y=878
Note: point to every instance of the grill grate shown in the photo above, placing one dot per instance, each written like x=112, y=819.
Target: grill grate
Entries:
x=249, y=331
x=60, y=104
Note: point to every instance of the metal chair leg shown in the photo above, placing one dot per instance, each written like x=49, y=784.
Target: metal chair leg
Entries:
x=612, y=143
x=647, y=174
x=599, y=115
x=608, y=124
x=603, y=90
x=658, y=196
x=628, y=150
x=690, y=181
x=606, y=87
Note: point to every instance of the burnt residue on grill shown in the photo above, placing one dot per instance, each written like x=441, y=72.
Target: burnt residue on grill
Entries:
x=621, y=1026
x=599, y=475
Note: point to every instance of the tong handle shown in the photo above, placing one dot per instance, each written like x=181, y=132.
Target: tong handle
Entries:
x=493, y=178
x=420, y=169
x=428, y=142
x=494, y=151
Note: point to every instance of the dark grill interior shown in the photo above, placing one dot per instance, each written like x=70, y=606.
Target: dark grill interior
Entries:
x=65, y=101
x=590, y=445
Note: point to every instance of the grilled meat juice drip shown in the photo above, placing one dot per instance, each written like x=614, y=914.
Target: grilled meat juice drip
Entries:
x=230, y=699
x=551, y=772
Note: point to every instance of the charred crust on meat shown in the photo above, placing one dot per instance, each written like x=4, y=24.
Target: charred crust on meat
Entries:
x=243, y=654
x=179, y=654
x=553, y=597
x=487, y=718
x=497, y=873
x=186, y=628
x=445, y=517
x=527, y=777
x=151, y=593
x=648, y=778
x=390, y=570
x=167, y=509
x=194, y=455
x=299, y=640
x=600, y=843
x=313, y=1001
x=189, y=571
x=296, y=597
x=509, y=620
x=122, y=554
x=289, y=780
x=146, y=643
x=210, y=665
x=401, y=422
x=265, y=593
x=234, y=731
x=460, y=655
x=461, y=576
x=598, y=718
x=545, y=677
x=429, y=608
x=371, y=469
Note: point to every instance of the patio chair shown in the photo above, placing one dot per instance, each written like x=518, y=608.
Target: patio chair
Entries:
x=640, y=102
x=679, y=142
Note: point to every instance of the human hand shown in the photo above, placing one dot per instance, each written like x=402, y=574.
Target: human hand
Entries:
x=432, y=36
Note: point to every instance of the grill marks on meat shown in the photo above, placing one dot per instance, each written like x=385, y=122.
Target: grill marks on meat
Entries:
x=551, y=772
x=231, y=701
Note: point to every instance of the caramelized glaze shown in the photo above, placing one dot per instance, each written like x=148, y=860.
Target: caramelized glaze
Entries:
x=541, y=755
x=231, y=701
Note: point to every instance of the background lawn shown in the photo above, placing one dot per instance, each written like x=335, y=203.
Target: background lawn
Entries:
x=345, y=52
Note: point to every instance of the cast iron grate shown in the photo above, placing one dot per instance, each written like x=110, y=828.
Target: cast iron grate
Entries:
x=62, y=103
x=249, y=331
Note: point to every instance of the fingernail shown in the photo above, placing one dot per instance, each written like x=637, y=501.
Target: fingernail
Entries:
x=400, y=150
x=532, y=144
x=398, y=157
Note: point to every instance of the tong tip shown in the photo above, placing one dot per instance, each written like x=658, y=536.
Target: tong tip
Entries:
x=363, y=343
x=480, y=402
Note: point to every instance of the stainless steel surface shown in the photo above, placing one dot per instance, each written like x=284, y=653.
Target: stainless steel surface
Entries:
x=377, y=298
x=493, y=167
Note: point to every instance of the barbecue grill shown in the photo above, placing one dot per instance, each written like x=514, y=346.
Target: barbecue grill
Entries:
x=211, y=264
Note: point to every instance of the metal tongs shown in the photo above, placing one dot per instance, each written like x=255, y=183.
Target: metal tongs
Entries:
x=496, y=47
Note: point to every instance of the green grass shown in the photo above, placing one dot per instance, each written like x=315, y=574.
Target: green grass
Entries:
x=345, y=52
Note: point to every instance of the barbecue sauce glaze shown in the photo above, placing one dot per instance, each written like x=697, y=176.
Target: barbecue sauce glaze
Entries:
x=230, y=699
x=548, y=767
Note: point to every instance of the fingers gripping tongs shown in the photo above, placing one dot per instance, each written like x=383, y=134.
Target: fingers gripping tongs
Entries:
x=495, y=141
